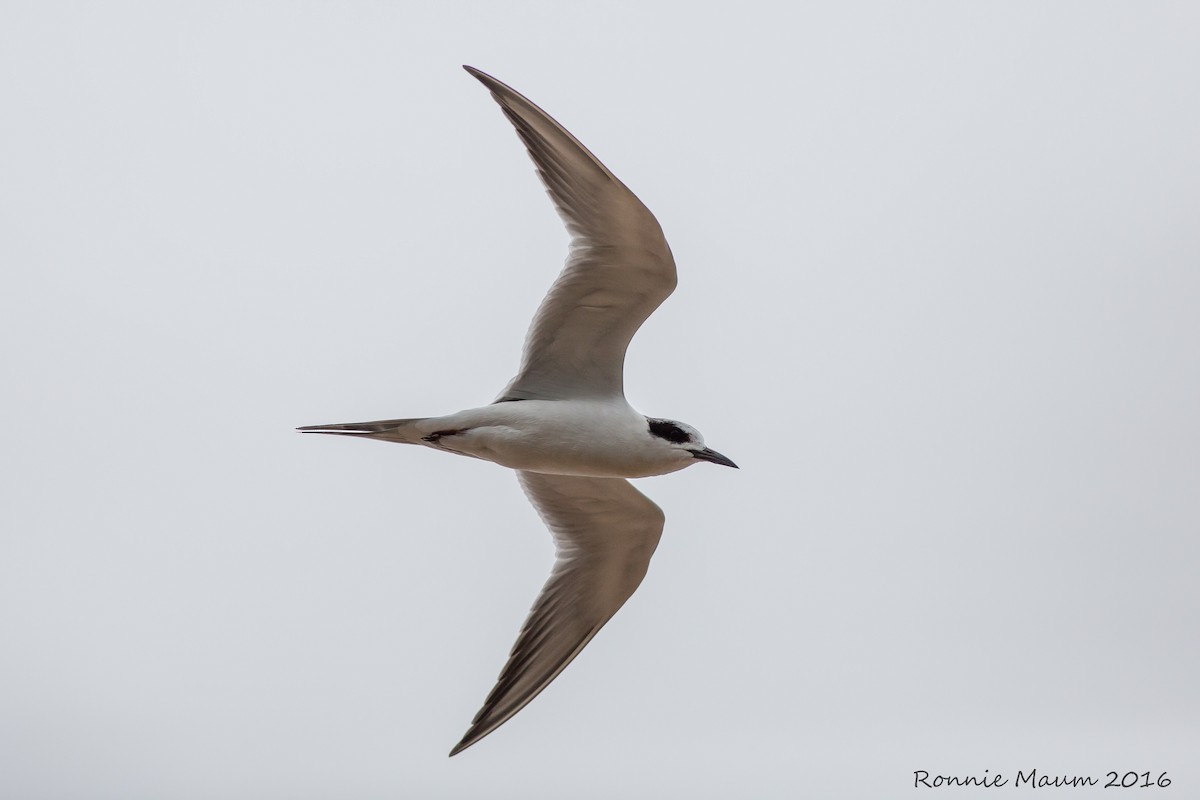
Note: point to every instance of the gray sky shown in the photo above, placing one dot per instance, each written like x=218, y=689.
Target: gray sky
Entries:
x=939, y=289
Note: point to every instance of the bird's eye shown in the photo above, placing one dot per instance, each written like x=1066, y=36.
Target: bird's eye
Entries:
x=665, y=429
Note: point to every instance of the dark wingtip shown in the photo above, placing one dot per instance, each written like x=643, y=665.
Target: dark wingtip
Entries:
x=494, y=86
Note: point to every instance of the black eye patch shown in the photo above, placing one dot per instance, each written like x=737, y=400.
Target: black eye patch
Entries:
x=665, y=429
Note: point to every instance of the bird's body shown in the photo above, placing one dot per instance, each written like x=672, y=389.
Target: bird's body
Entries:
x=563, y=422
x=589, y=437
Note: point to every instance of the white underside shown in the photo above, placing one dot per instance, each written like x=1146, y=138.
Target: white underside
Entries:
x=604, y=439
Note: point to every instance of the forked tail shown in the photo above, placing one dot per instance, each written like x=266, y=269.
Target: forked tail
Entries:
x=390, y=430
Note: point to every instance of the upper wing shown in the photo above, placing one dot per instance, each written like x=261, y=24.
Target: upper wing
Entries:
x=605, y=532
x=619, y=268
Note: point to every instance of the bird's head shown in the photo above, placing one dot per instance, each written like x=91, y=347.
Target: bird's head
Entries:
x=686, y=440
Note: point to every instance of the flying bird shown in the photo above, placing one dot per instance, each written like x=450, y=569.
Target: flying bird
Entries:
x=563, y=422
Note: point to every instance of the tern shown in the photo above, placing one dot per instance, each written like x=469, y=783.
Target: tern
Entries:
x=563, y=422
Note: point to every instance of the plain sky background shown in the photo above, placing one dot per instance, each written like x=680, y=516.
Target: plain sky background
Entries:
x=939, y=296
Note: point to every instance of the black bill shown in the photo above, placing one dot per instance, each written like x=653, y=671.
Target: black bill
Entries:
x=708, y=454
